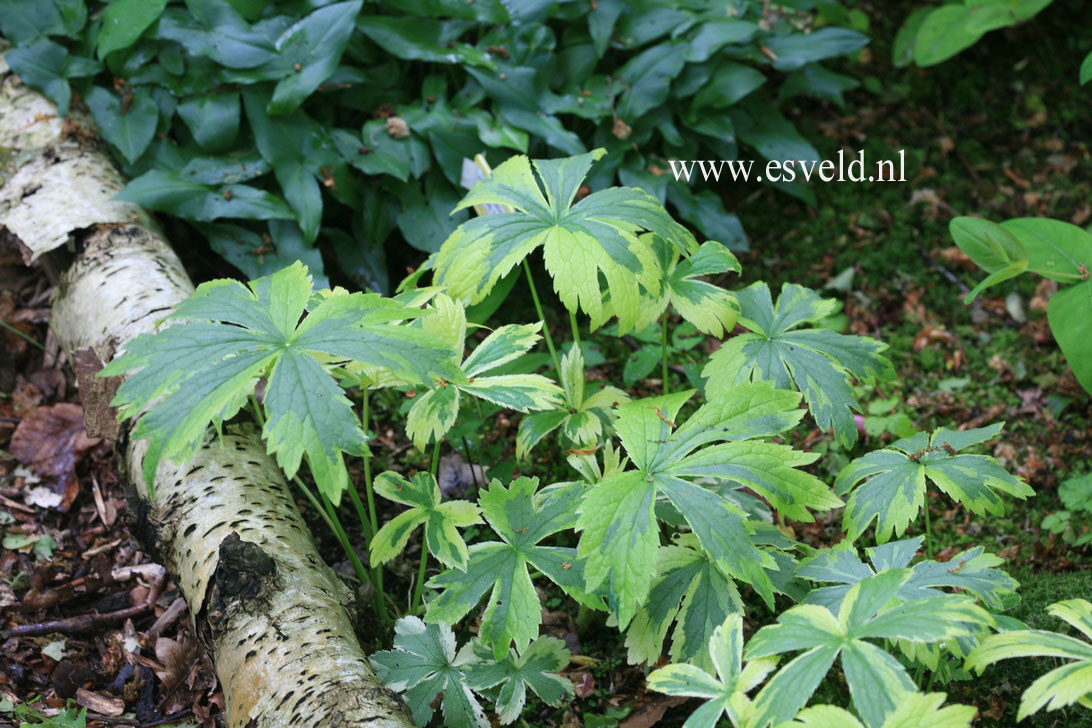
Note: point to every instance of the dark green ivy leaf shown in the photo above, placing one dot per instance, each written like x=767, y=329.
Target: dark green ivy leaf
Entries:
x=215, y=29
x=129, y=127
x=794, y=50
x=46, y=67
x=26, y=20
x=648, y=77
x=297, y=147
x=213, y=119
x=309, y=51
x=168, y=192
x=257, y=255
x=124, y=21
x=420, y=39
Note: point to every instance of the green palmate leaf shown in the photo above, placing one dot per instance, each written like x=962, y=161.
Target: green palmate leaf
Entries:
x=619, y=536
x=1071, y=683
x=878, y=683
x=536, y=669
x=710, y=308
x=423, y=664
x=690, y=590
x=888, y=485
x=435, y=411
x=726, y=693
x=582, y=420
x=522, y=518
x=190, y=375
x=440, y=519
x=818, y=361
x=915, y=710
x=124, y=21
x=1076, y=493
x=597, y=235
x=972, y=571
x=1086, y=69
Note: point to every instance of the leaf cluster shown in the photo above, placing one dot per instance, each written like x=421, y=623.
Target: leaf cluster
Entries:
x=184, y=378
x=269, y=124
x=1052, y=249
x=424, y=663
x=932, y=34
x=678, y=530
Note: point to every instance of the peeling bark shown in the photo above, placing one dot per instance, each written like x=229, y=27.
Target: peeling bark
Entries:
x=273, y=615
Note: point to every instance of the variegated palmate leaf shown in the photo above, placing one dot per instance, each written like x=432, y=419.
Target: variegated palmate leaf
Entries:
x=973, y=571
x=1072, y=682
x=441, y=519
x=423, y=664
x=435, y=411
x=888, y=485
x=522, y=517
x=878, y=683
x=201, y=370
x=690, y=591
x=727, y=692
x=916, y=710
x=596, y=236
x=582, y=419
x=817, y=361
x=537, y=668
x=619, y=534
x=710, y=308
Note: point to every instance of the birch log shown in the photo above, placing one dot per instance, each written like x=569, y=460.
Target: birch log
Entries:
x=273, y=615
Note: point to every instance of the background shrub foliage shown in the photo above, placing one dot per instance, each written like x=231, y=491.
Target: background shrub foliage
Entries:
x=273, y=125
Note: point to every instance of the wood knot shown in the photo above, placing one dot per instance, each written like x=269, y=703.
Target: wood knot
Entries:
x=242, y=576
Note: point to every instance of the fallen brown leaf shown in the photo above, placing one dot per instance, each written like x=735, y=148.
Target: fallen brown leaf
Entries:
x=650, y=710
x=51, y=440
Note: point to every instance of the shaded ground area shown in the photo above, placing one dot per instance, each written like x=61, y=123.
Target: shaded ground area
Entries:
x=87, y=614
x=1001, y=131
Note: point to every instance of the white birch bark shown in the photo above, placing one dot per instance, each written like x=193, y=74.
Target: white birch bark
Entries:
x=273, y=615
